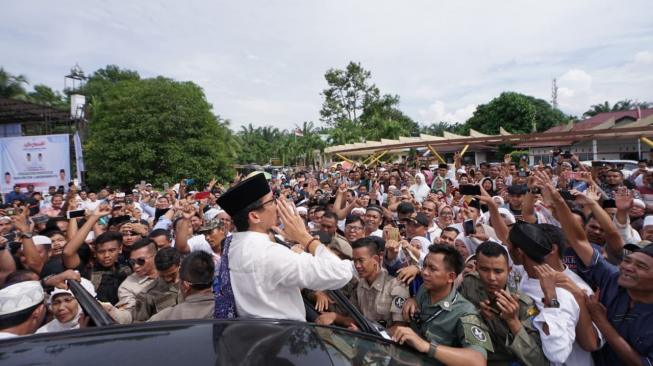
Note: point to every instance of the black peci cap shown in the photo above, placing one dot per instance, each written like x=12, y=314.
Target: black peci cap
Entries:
x=244, y=194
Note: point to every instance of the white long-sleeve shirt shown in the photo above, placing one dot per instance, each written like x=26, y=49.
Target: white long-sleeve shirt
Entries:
x=266, y=278
x=560, y=346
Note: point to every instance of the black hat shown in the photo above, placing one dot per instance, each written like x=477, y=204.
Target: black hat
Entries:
x=475, y=203
x=443, y=166
x=244, y=194
x=531, y=239
x=517, y=189
x=420, y=219
x=647, y=249
x=376, y=208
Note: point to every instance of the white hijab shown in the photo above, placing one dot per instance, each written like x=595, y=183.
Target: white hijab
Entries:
x=421, y=190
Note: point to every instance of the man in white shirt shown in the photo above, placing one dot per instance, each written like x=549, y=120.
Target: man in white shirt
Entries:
x=260, y=278
x=565, y=327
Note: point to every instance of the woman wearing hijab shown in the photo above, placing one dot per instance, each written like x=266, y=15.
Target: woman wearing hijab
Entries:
x=488, y=185
x=65, y=309
x=420, y=189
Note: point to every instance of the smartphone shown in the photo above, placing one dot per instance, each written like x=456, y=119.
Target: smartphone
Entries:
x=142, y=186
x=166, y=186
x=598, y=164
x=469, y=190
x=76, y=182
x=566, y=154
x=201, y=195
x=189, y=182
x=609, y=203
x=396, y=193
x=75, y=214
x=522, y=174
x=393, y=234
x=10, y=211
x=11, y=237
x=566, y=195
x=573, y=175
x=469, y=227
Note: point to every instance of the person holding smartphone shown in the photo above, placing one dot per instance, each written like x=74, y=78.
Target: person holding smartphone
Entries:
x=507, y=313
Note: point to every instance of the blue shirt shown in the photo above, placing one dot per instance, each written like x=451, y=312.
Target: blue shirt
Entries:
x=634, y=325
x=11, y=196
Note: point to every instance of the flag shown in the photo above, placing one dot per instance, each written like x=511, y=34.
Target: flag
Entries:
x=298, y=132
x=639, y=113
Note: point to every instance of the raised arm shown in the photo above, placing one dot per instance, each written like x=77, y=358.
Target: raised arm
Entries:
x=573, y=230
x=70, y=257
x=612, y=237
x=32, y=258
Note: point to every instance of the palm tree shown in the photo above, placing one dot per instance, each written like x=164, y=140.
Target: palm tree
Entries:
x=598, y=108
x=11, y=86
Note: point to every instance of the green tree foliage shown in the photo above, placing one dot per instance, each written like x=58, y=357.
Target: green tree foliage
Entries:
x=43, y=94
x=155, y=129
x=101, y=82
x=437, y=129
x=354, y=109
x=517, y=113
x=261, y=144
x=12, y=86
x=622, y=105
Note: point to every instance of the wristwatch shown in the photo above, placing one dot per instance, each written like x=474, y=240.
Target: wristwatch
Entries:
x=553, y=303
x=26, y=235
x=433, y=348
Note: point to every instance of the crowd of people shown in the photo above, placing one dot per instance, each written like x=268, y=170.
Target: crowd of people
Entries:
x=499, y=263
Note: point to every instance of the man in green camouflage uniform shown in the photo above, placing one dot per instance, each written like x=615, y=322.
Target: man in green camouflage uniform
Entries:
x=507, y=313
x=444, y=325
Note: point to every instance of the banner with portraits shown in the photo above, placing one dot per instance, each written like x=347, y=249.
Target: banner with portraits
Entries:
x=39, y=160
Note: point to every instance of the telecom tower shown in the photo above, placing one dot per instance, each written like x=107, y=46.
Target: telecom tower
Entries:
x=554, y=94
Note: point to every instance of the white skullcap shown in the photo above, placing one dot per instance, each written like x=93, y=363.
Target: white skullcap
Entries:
x=5, y=218
x=639, y=203
x=41, y=240
x=20, y=296
x=88, y=286
x=358, y=211
x=302, y=210
x=648, y=221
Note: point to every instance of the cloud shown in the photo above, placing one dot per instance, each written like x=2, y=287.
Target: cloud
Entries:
x=437, y=112
x=264, y=62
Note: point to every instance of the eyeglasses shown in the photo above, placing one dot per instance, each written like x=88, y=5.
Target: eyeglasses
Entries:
x=271, y=200
x=139, y=261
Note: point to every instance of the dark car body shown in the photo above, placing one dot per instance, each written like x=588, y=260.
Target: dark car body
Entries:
x=207, y=342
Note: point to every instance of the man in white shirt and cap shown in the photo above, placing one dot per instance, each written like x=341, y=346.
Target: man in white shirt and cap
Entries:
x=259, y=278
x=21, y=309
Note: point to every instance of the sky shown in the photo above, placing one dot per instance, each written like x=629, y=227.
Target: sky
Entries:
x=263, y=62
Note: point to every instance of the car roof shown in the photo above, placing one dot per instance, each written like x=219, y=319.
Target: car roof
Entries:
x=216, y=342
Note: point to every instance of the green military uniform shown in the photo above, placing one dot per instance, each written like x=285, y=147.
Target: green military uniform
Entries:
x=526, y=346
x=107, y=280
x=155, y=297
x=452, y=321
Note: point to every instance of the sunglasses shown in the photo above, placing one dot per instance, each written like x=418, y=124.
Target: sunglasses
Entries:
x=139, y=261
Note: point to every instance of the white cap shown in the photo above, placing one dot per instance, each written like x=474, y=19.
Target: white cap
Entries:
x=20, y=296
x=648, y=221
x=88, y=286
x=302, y=210
x=211, y=214
x=639, y=203
x=358, y=211
x=5, y=218
x=41, y=240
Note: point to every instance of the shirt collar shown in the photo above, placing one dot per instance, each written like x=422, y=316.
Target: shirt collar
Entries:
x=446, y=303
x=378, y=282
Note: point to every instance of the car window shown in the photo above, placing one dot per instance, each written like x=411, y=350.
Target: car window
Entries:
x=348, y=349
